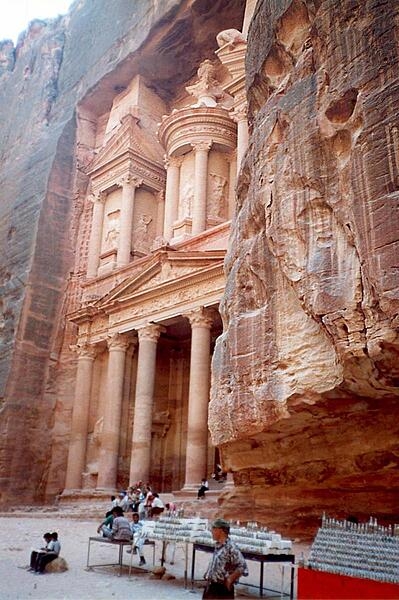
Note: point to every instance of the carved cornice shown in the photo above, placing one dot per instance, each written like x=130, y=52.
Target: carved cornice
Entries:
x=190, y=126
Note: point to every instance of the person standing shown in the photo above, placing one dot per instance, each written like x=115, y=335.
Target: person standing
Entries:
x=226, y=566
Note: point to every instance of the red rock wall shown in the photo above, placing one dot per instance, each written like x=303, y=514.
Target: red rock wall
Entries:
x=61, y=77
x=305, y=377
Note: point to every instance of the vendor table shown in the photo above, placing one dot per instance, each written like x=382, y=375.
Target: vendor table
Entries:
x=253, y=556
x=163, y=555
x=102, y=540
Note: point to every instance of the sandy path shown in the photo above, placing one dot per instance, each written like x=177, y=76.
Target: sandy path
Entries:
x=21, y=534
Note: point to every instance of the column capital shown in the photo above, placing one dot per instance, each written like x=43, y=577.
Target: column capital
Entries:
x=99, y=197
x=230, y=158
x=172, y=161
x=129, y=179
x=204, y=146
x=200, y=317
x=239, y=113
x=150, y=332
x=119, y=341
x=160, y=196
x=85, y=350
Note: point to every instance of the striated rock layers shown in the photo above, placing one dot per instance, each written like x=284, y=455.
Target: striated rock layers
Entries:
x=305, y=377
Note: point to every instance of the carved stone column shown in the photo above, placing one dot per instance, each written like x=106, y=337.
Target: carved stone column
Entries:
x=80, y=417
x=160, y=197
x=232, y=160
x=200, y=370
x=109, y=452
x=240, y=117
x=141, y=438
x=95, y=234
x=173, y=165
x=129, y=185
x=201, y=151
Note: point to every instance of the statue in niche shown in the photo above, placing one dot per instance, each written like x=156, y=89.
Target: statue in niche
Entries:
x=216, y=195
x=112, y=235
x=141, y=241
x=186, y=200
x=207, y=90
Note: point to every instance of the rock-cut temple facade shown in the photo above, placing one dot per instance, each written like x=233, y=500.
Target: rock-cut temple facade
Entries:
x=154, y=232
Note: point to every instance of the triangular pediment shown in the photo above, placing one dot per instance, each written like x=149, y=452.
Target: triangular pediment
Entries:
x=128, y=139
x=163, y=270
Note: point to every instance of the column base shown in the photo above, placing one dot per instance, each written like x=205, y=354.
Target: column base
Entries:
x=189, y=489
x=70, y=497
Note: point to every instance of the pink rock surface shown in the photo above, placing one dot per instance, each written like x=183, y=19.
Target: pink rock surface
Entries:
x=306, y=374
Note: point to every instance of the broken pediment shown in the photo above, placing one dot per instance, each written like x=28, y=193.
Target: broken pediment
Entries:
x=129, y=139
x=165, y=270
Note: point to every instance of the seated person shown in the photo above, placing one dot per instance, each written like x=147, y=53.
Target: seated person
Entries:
x=157, y=506
x=120, y=526
x=51, y=553
x=204, y=487
x=105, y=528
x=136, y=527
x=35, y=553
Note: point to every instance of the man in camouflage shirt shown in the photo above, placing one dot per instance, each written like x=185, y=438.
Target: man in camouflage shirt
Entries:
x=226, y=566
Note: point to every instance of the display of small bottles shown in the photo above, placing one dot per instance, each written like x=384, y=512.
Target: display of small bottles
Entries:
x=365, y=550
x=252, y=538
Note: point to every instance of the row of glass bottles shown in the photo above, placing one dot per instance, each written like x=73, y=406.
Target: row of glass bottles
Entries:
x=364, y=550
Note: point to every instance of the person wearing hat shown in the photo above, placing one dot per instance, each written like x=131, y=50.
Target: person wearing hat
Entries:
x=226, y=566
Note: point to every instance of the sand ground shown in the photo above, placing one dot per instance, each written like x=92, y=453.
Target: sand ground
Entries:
x=21, y=534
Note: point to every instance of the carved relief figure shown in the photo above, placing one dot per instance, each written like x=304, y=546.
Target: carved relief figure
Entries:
x=141, y=237
x=112, y=235
x=216, y=195
x=186, y=200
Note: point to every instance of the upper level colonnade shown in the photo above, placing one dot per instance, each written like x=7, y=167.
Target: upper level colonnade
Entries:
x=151, y=190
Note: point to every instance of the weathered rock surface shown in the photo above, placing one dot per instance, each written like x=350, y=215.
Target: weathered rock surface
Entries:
x=305, y=377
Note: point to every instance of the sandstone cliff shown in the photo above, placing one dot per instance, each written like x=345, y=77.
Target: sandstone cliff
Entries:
x=305, y=393
x=82, y=59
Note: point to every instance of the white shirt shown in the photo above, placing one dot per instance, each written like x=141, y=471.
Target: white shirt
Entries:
x=157, y=503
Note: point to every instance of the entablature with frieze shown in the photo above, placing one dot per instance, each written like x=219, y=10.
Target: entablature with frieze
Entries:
x=157, y=294
x=184, y=128
x=129, y=165
x=170, y=301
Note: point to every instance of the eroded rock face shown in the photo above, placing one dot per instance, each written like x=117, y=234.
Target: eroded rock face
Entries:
x=305, y=377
